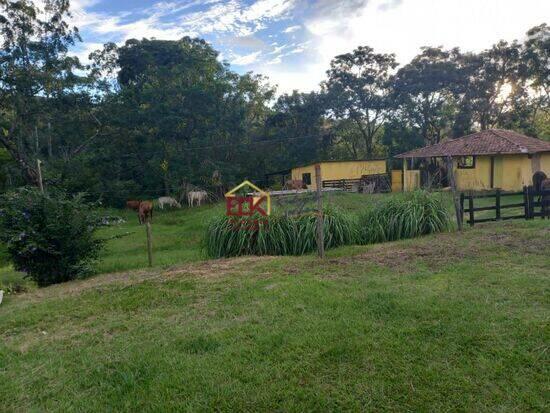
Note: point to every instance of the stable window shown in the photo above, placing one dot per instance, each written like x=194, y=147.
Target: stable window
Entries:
x=466, y=162
x=306, y=179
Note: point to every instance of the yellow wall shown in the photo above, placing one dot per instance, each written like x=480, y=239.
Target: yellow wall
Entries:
x=511, y=173
x=545, y=163
x=297, y=174
x=477, y=178
x=341, y=170
x=516, y=172
x=411, y=179
x=396, y=180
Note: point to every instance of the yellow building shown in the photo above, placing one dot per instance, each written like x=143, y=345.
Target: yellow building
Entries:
x=338, y=170
x=493, y=158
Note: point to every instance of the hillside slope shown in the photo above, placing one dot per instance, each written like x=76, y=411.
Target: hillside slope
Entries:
x=452, y=321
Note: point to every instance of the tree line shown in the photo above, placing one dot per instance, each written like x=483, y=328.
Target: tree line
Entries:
x=148, y=116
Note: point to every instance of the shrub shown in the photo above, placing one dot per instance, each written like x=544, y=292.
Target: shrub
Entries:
x=407, y=216
x=277, y=234
x=49, y=237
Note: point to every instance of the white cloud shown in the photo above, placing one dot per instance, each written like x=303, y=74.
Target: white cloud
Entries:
x=165, y=19
x=325, y=28
x=291, y=29
x=403, y=27
x=246, y=59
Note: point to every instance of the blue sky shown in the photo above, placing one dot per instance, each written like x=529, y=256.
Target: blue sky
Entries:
x=293, y=41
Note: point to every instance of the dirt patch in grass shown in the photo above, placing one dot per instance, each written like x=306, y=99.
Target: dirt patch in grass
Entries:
x=439, y=250
x=433, y=251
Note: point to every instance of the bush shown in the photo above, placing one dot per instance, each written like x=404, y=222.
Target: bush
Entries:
x=408, y=216
x=49, y=237
x=276, y=234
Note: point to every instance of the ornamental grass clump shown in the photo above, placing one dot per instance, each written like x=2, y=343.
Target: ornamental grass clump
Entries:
x=407, y=216
x=276, y=234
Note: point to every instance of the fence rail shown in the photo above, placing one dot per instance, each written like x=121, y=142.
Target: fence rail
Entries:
x=369, y=183
x=536, y=203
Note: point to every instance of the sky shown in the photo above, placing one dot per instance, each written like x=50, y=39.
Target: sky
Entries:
x=293, y=41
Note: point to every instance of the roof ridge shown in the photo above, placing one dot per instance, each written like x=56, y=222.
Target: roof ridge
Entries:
x=520, y=147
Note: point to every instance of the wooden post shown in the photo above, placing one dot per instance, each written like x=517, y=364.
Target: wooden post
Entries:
x=526, y=202
x=149, y=242
x=458, y=211
x=531, y=196
x=497, y=204
x=471, y=208
x=40, y=183
x=320, y=229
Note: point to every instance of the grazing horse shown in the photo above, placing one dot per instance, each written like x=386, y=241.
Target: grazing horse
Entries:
x=538, y=179
x=168, y=200
x=145, y=212
x=133, y=204
x=198, y=196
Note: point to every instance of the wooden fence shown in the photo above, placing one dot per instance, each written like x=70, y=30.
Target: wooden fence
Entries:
x=378, y=182
x=532, y=205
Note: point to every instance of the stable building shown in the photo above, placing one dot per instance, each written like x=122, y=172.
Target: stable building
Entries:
x=343, y=174
x=493, y=158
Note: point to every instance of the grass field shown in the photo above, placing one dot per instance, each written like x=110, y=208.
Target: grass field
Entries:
x=450, y=322
x=177, y=236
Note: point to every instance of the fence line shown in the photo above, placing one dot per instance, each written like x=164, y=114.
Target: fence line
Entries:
x=535, y=204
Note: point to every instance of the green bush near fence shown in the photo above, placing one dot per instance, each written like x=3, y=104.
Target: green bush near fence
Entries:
x=411, y=215
x=49, y=237
x=403, y=216
x=276, y=234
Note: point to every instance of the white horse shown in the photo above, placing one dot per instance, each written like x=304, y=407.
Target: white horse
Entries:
x=168, y=200
x=198, y=196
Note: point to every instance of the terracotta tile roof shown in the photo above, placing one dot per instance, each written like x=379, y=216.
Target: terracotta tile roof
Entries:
x=487, y=142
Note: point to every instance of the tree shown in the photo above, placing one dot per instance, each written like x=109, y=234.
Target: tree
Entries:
x=298, y=125
x=491, y=84
x=358, y=88
x=176, y=113
x=37, y=76
x=424, y=91
x=536, y=58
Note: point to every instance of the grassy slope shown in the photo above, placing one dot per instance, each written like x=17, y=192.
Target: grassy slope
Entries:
x=446, y=322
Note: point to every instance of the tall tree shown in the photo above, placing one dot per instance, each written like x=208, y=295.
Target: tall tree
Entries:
x=358, y=88
x=36, y=75
x=424, y=91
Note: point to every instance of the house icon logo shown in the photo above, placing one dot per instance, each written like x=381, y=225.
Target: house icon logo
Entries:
x=246, y=199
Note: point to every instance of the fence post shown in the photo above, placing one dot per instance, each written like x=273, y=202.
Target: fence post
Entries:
x=526, y=201
x=149, y=242
x=471, y=208
x=320, y=224
x=462, y=205
x=456, y=201
x=497, y=204
x=531, y=196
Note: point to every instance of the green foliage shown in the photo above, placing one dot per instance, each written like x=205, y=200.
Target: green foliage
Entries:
x=50, y=237
x=276, y=234
x=407, y=216
x=393, y=218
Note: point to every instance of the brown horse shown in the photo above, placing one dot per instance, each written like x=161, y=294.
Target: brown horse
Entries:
x=145, y=212
x=133, y=204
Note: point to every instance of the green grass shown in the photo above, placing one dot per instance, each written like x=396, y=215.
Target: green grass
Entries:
x=447, y=322
x=177, y=236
